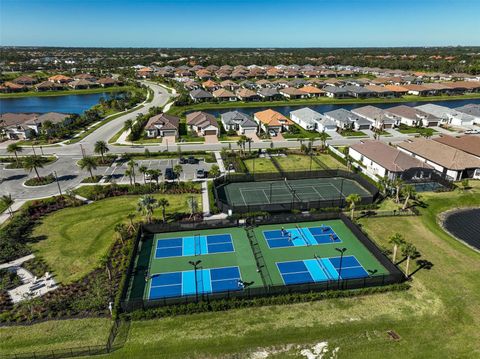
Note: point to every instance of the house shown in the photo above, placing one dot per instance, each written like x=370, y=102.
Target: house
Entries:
x=25, y=81
x=229, y=85
x=347, y=120
x=27, y=125
x=381, y=91
x=203, y=123
x=86, y=77
x=81, y=84
x=417, y=90
x=447, y=114
x=239, y=122
x=359, y=92
x=472, y=110
x=13, y=87
x=272, y=120
x=336, y=92
x=108, y=82
x=200, y=95
x=468, y=144
x=312, y=91
x=224, y=95
x=48, y=86
x=436, y=88
x=270, y=94
x=210, y=85
x=191, y=85
x=382, y=160
x=60, y=79
x=263, y=83
x=376, y=116
x=292, y=93
x=306, y=118
x=452, y=163
x=162, y=125
x=398, y=90
x=411, y=116
x=245, y=94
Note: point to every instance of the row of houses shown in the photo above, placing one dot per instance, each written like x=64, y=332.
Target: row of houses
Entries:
x=453, y=158
x=297, y=89
x=58, y=83
x=371, y=117
x=26, y=125
x=241, y=72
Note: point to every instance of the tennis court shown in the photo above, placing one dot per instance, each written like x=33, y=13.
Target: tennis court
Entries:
x=297, y=236
x=301, y=190
x=194, y=245
x=321, y=270
x=203, y=281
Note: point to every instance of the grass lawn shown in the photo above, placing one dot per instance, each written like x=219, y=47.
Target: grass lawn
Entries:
x=261, y=165
x=294, y=162
x=352, y=133
x=420, y=130
x=301, y=133
x=76, y=238
x=436, y=318
x=331, y=162
x=55, y=334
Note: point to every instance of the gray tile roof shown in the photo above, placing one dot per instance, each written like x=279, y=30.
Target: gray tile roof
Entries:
x=237, y=118
x=343, y=116
x=306, y=114
x=471, y=109
x=199, y=93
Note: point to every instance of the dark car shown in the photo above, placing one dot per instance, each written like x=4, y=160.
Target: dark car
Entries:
x=201, y=173
x=192, y=160
x=169, y=174
x=183, y=161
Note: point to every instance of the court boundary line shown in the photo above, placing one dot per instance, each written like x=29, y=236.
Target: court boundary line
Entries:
x=182, y=238
x=317, y=244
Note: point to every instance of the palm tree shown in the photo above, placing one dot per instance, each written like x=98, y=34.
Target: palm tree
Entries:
x=178, y=169
x=163, y=202
x=249, y=141
x=385, y=185
x=397, y=183
x=192, y=205
x=15, y=149
x=143, y=170
x=33, y=163
x=214, y=171
x=128, y=172
x=353, y=199
x=323, y=138
x=131, y=165
x=154, y=174
x=101, y=148
x=409, y=251
x=397, y=240
x=146, y=205
x=409, y=192
x=131, y=217
x=128, y=126
x=122, y=231
x=7, y=202
x=241, y=144
x=348, y=159
x=88, y=163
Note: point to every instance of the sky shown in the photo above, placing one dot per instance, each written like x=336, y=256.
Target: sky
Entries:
x=235, y=23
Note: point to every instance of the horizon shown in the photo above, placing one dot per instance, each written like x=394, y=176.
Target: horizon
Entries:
x=187, y=24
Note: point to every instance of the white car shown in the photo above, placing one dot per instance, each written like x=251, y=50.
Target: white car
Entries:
x=272, y=133
x=472, y=132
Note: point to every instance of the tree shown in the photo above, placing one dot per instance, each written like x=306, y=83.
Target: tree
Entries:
x=128, y=172
x=146, y=205
x=178, y=169
x=409, y=251
x=101, y=148
x=143, y=170
x=397, y=183
x=163, y=202
x=131, y=217
x=122, y=231
x=33, y=163
x=385, y=185
x=408, y=192
x=131, y=165
x=7, y=201
x=353, y=199
x=88, y=163
x=465, y=184
x=192, y=205
x=323, y=136
x=397, y=240
x=241, y=144
x=128, y=126
x=214, y=171
x=15, y=149
x=154, y=174
x=249, y=141
x=348, y=159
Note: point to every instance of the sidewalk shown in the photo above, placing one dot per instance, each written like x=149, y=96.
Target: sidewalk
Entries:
x=219, y=159
x=205, y=200
x=15, y=207
x=17, y=262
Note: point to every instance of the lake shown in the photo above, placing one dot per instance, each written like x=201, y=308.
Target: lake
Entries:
x=66, y=104
x=285, y=110
x=465, y=225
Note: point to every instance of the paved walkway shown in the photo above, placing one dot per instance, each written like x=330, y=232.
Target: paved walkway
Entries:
x=17, y=262
x=15, y=207
x=219, y=159
x=205, y=200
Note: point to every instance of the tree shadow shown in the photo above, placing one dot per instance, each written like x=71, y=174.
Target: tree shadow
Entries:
x=15, y=177
x=67, y=177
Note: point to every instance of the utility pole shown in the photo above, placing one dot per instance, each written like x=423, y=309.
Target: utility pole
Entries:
x=58, y=184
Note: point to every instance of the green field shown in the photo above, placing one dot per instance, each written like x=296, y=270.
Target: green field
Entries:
x=260, y=165
x=72, y=240
x=293, y=162
x=436, y=318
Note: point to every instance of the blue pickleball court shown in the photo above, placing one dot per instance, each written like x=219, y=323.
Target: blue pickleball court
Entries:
x=178, y=284
x=321, y=270
x=293, y=237
x=194, y=245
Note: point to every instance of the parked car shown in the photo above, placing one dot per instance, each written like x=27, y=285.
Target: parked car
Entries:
x=472, y=132
x=272, y=133
x=192, y=160
x=183, y=160
x=169, y=174
x=201, y=173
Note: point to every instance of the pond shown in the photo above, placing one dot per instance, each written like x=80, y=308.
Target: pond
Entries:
x=285, y=110
x=67, y=104
x=465, y=225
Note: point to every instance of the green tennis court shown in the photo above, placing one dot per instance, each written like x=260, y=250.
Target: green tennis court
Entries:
x=304, y=190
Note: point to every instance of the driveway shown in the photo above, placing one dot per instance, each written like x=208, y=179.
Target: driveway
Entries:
x=278, y=137
x=211, y=139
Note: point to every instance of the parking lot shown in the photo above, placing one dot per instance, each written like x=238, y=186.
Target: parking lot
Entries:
x=117, y=170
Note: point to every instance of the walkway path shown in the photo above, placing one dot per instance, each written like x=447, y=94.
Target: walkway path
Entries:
x=17, y=262
x=205, y=200
x=15, y=207
x=219, y=159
